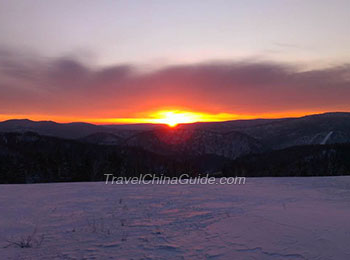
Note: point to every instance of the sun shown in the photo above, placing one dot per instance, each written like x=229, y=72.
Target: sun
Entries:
x=173, y=118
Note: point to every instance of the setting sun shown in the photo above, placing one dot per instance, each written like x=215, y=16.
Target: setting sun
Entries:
x=169, y=117
x=173, y=118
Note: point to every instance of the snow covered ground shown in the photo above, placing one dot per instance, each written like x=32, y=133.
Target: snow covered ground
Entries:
x=267, y=218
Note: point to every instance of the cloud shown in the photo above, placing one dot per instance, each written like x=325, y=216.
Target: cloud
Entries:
x=67, y=86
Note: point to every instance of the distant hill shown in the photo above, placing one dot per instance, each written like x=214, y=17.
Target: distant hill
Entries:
x=195, y=142
x=327, y=128
x=30, y=157
x=306, y=160
x=102, y=138
x=67, y=130
x=229, y=139
x=71, y=130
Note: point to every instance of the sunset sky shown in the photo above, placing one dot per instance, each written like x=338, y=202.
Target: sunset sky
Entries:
x=146, y=61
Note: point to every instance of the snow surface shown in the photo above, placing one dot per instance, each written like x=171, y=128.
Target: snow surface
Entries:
x=324, y=141
x=267, y=218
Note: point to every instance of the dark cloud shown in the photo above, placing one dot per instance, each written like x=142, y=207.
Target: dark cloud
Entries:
x=67, y=86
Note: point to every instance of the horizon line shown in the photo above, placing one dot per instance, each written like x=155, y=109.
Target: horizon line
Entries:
x=106, y=123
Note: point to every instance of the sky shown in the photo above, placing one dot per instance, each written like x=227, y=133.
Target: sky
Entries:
x=134, y=61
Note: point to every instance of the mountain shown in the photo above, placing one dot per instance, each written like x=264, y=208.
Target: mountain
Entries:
x=195, y=142
x=305, y=160
x=50, y=128
x=327, y=128
x=75, y=130
x=229, y=139
x=102, y=138
x=133, y=127
x=29, y=157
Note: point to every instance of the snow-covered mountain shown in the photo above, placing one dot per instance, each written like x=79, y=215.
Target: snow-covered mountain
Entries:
x=229, y=139
x=102, y=138
x=328, y=128
x=50, y=128
x=196, y=142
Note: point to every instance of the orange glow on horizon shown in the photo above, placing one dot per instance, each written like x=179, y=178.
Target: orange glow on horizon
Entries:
x=173, y=118
x=169, y=117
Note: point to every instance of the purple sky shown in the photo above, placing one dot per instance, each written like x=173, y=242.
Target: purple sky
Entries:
x=57, y=58
x=148, y=32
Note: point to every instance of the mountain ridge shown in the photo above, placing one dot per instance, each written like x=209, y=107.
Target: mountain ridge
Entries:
x=327, y=128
